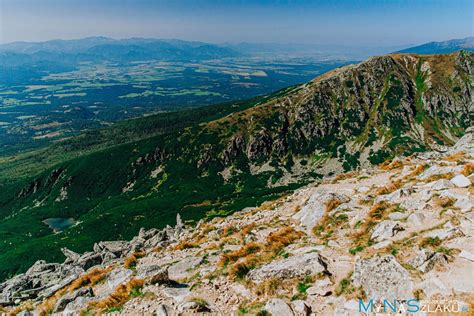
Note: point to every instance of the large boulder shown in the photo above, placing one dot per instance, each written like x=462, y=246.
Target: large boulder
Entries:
x=292, y=267
x=89, y=259
x=316, y=207
x=383, y=278
x=71, y=297
x=386, y=230
x=278, y=307
x=461, y=181
x=118, y=248
x=184, y=268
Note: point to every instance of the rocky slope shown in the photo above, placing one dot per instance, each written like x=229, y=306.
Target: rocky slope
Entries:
x=349, y=118
x=402, y=230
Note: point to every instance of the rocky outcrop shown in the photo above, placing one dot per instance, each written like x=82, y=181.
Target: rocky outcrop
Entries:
x=394, y=246
x=293, y=267
x=383, y=278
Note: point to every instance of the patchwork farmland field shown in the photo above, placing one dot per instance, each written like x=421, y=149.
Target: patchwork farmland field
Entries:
x=40, y=104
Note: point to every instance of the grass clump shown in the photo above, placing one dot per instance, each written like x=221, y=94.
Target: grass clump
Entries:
x=332, y=204
x=468, y=169
x=202, y=304
x=131, y=261
x=377, y=213
x=268, y=287
x=120, y=296
x=344, y=287
x=415, y=172
x=391, y=165
x=436, y=177
x=456, y=156
x=445, y=201
x=389, y=188
x=186, y=245
x=430, y=242
x=249, y=256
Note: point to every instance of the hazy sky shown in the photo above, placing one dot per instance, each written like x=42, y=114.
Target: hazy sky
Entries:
x=324, y=22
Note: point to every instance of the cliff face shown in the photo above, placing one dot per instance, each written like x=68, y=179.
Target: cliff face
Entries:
x=400, y=231
x=386, y=105
x=347, y=119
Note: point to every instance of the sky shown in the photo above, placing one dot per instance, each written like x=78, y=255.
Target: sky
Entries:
x=343, y=22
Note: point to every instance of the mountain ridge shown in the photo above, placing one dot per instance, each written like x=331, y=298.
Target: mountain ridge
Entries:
x=348, y=119
x=442, y=47
x=382, y=233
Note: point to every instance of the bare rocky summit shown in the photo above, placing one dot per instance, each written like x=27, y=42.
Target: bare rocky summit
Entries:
x=401, y=230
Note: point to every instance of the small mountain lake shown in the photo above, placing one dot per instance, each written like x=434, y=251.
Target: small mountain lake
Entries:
x=59, y=223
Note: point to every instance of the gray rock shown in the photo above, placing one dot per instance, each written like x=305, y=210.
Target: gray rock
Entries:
x=467, y=255
x=438, y=170
x=301, y=308
x=465, y=203
x=118, y=248
x=292, y=267
x=420, y=257
x=179, y=294
x=70, y=255
x=441, y=184
x=156, y=240
x=155, y=275
x=446, y=234
x=383, y=278
x=320, y=287
x=461, y=181
x=278, y=307
x=68, y=298
x=316, y=207
x=183, y=269
x=41, y=280
x=117, y=277
x=386, y=230
x=89, y=259
x=432, y=261
x=163, y=310
x=416, y=219
x=396, y=216
x=179, y=222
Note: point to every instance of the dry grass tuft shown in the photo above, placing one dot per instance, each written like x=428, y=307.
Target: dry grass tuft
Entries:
x=391, y=165
x=444, y=201
x=268, y=287
x=186, y=245
x=121, y=295
x=241, y=261
x=332, y=204
x=436, y=177
x=28, y=306
x=91, y=278
x=131, y=261
x=377, y=213
x=344, y=176
x=468, y=169
x=456, y=157
x=244, y=251
x=417, y=171
x=389, y=188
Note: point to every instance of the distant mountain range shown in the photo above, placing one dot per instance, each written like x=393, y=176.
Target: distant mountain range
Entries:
x=444, y=47
x=98, y=49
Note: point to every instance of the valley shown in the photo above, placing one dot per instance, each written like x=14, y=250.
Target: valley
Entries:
x=52, y=93
x=212, y=161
